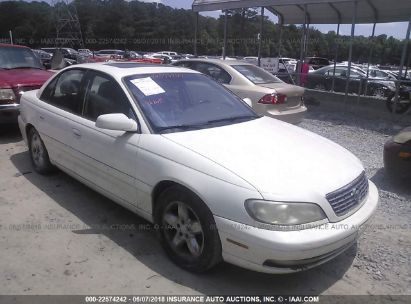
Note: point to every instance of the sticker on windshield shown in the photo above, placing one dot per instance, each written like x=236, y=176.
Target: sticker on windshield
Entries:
x=148, y=86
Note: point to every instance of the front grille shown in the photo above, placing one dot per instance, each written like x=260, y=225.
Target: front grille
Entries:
x=348, y=197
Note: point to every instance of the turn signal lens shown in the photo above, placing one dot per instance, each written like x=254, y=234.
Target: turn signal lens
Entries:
x=404, y=154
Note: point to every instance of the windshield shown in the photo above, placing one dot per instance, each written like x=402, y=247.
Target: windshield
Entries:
x=174, y=102
x=16, y=57
x=255, y=74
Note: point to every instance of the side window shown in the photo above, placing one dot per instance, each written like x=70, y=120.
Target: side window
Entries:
x=105, y=96
x=64, y=91
x=355, y=74
x=338, y=72
x=215, y=72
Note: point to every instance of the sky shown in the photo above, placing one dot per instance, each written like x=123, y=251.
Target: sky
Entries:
x=396, y=29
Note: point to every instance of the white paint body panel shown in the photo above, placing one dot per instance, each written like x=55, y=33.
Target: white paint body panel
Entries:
x=261, y=159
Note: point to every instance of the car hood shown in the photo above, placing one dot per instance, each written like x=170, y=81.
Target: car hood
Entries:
x=276, y=158
x=23, y=77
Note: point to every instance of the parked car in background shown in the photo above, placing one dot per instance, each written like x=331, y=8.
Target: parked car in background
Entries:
x=85, y=52
x=322, y=79
x=317, y=62
x=168, y=53
x=270, y=96
x=44, y=57
x=380, y=74
x=397, y=155
x=68, y=53
x=251, y=59
x=20, y=71
x=166, y=59
x=287, y=65
x=112, y=54
x=219, y=181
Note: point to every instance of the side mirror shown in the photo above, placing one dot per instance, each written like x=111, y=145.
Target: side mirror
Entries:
x=116, y=122
x=248, y=101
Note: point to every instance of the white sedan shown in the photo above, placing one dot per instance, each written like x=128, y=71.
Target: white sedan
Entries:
x=180, y=150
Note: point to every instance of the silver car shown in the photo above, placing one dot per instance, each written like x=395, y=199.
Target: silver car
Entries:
x=270, y=96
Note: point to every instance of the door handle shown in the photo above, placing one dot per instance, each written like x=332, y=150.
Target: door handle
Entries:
x=76, y=132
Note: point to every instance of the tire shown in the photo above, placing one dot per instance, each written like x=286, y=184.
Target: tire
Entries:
x=379, y=92
x=38, y=153
x=402, y=106
x=187, y=230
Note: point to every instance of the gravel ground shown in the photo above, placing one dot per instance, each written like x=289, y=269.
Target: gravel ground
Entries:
x=82, y=257
x=384, y=250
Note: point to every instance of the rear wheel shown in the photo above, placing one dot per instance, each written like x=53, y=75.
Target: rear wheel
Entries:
x=38, y=153
x=187, y=230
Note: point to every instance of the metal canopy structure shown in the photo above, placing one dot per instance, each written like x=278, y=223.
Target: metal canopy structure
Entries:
x=308, y=12
x=319, y=11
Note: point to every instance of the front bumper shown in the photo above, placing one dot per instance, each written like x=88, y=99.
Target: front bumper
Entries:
x=290, y=251
x=393, y=164
x=9, y=113
x=293, y=116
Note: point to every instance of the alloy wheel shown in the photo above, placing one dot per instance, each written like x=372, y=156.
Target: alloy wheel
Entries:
x=183, y=230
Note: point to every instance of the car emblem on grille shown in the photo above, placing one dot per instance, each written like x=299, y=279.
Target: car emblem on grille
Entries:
x=355, y=194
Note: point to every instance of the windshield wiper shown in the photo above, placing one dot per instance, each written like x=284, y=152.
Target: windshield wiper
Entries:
x=181, y=127
x=231, y=119
x=206, y=123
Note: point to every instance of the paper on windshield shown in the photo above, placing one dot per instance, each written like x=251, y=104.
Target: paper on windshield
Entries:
x=148, y=86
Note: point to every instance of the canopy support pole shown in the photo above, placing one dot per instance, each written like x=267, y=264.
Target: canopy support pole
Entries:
x=225, y=35
x=335, y=57
x=354, y=20
x=195, y=34
x=260, y=36
x=280, y=43
x=403, y=55
x=369, y=58
x=302, y=45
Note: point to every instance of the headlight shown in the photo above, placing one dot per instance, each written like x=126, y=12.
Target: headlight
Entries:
x=284, y=213
x=7, y=95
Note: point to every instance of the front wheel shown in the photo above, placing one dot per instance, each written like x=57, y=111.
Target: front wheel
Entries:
x=379, y=92
x=187, y=230
x=38, y=153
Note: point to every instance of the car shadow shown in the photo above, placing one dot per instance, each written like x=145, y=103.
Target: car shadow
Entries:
x=9, y=133
x=350, y=118
x=387, y=183
x=139, y=238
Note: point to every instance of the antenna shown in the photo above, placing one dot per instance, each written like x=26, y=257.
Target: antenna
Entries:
x=68, y=30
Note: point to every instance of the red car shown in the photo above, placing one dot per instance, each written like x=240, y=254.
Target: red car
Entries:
x=20, y=71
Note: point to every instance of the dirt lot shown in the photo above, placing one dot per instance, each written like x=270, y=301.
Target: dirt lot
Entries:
x=59, y=237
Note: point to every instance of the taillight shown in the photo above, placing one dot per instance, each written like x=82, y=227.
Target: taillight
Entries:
x=274, y=98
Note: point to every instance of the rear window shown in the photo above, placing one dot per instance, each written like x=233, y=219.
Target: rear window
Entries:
x=255, y=74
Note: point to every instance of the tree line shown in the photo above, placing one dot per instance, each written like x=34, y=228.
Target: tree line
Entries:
x=144, y=26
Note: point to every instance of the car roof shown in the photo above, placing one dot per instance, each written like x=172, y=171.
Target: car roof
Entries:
x=123, y=69
x=220, y=61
